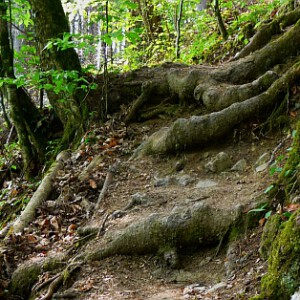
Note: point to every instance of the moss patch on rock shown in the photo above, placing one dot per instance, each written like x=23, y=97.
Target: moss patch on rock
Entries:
x=283, y=277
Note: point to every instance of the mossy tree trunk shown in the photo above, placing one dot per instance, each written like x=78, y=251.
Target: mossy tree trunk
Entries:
x=51, y=23
x=23, y=112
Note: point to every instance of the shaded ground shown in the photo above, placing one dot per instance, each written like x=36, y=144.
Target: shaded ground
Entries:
x=161, y=184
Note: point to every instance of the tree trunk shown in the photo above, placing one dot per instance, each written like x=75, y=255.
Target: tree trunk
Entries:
x=51, y=23
x=23, y=112
x=178, y=29
x=220, y=21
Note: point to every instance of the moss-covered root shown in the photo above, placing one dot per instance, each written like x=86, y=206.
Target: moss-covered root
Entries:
x=27, y=274
x=283, y=277
x=194, y=227
x=270, y=231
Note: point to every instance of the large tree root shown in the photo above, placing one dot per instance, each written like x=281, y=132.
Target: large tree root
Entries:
x=164, y=234
x=188, y=84
x=40, y=194
x=27, y=274
x=196, y=226
x=199, y=130
x=267, y=32
x=217, y=97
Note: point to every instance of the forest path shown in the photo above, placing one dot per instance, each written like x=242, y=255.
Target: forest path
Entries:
x=164, y=184
x=140, y=188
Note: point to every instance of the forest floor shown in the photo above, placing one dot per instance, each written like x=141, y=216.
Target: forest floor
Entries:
x=150, y=185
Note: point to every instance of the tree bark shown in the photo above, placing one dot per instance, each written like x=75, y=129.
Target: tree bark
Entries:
x=23, y=112
x=51, y=23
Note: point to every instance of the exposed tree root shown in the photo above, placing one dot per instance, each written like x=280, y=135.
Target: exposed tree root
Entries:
x=40, y=194
x=217, y=97
x=199, y=130
x=106, y=184
x=25, y=276
x=196, y=226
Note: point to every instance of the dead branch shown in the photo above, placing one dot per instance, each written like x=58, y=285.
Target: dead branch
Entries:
x=108, y=179
x=40, y=194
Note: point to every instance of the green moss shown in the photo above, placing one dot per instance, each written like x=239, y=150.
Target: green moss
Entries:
x=257, y=298
x=292, y=163
x=283, y=276
x=234, y=234
x=23, y=279
x=270, y=231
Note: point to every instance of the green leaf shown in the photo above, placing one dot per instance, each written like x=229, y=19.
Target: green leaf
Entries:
x=260, y=209
x=287, y=214
x=269, y=188
x=268, y=214
x=288, y=173
x=48, y=86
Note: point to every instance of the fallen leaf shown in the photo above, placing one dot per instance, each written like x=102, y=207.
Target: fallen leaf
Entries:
x=93, y=184
x=55, y=223
x=72, y=228
x=262, y=222
x=32, y=239
x=293, y=114
x=292, y=207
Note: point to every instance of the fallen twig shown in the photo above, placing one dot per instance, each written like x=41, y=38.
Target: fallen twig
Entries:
x=111, y=171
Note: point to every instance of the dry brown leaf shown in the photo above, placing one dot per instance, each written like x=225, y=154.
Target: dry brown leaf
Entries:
x=72, y=228
x=93, y=184
x=32, y=239
x=112, y=143
x=262, y=221
x=14, y=192
x=45, y=224
x=292, y=207
x=55, y=223
x=293, y=114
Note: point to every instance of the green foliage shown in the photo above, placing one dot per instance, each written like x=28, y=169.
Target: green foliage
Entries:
x=261, y=209
x=9, y=156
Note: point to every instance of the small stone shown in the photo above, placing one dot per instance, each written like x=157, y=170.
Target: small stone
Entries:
x=263, y=159
x=262, y=167
x=217, y=287
x=240, y=165
x=139, y=198
x=192, y=288
x=206, y=183
x=161, y=182
x=184, y=180
x=219, y=163
x=179, y=165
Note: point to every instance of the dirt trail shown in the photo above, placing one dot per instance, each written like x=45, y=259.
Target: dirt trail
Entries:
x=162, y=185
x=142, y=187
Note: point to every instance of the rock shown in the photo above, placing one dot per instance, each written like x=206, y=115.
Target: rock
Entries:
x=240, y=165
x=137, y=199
x=206, y=183
x=296, y=296
x=161, y=182
x=219, y=163
x=193, y=288
x=118, y=214
x=217, y=287
x=262, y=167
x=184, y=180
x=179, y=166
x=262, y=163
